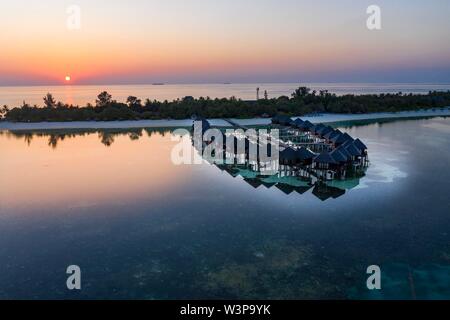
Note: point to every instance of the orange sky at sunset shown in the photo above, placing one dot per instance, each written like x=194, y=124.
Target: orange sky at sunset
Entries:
x=195, y=41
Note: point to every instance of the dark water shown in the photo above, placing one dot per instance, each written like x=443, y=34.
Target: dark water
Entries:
x=140, y=227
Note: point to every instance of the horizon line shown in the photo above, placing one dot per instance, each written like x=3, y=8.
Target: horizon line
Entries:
x=156, y=84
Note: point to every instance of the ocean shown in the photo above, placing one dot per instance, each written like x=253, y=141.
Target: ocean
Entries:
x=140, y=227
x=83, y=94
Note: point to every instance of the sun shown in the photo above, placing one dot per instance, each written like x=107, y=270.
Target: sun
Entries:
x=68, y=78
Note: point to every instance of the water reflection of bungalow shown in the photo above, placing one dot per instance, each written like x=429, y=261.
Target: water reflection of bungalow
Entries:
x=285, y=188
x=347, y=184
x=325, y=192
x=288, y=189
x=255, y=183
x=229, y=169
x=290, y=184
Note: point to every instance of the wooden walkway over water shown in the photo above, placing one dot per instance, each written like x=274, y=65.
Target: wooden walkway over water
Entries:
x=313, y=146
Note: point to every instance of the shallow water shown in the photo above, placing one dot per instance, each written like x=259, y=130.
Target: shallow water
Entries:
x=140, y=227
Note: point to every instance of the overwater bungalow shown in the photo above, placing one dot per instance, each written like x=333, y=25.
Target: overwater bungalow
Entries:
x=341, y=139
x=305, y=156
x=309, y=151
x=339, y=157
x=316, y=129
x=348, y=137
x=297, y=122
x=361, y=146
x=282, y=120
x=306, y=126
x=354, y=152
x=342, y=161
x=324, y=131
x=332, y=134
x=288, y=157
x=344, y=152
x=323, y=164
x=364, y=152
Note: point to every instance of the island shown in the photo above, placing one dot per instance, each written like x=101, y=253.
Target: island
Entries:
x=302, y=102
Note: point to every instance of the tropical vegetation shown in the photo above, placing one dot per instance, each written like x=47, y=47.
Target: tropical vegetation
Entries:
x=303, y=101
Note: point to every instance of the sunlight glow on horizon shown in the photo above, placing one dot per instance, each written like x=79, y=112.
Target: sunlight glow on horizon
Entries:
x=197, y=41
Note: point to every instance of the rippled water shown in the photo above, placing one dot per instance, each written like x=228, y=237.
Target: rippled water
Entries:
x=140, y=227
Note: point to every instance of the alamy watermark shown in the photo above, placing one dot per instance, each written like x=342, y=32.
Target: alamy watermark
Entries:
x=374, y=281
x=74, y=280
x=229, y=147
x=73, y=21
x=374, y=20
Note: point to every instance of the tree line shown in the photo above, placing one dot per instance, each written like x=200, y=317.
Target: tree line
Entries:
x=106, y=136
x=303, y=101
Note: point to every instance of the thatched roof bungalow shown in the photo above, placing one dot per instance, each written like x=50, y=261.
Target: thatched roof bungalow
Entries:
x=324, y=161
x=305, y=126
x=282, y=120
x=305, y=156
x=361, y=146
x=288, y=157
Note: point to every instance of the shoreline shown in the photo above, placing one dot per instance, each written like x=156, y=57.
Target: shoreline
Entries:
x=322, y=118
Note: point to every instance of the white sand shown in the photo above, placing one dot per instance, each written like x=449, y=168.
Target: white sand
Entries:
x=325, y=118
x=330, y=118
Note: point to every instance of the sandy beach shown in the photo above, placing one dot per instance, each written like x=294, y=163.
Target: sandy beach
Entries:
x=323, y=118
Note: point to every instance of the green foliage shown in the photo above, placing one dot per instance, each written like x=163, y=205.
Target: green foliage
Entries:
x=49, y=101
x=303, y=101
x=103, y=99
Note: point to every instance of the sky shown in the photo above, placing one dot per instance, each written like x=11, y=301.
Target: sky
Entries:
x=216, y=41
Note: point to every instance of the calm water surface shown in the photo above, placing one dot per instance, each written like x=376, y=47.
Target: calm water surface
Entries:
x=82, y=94
x=140, y=227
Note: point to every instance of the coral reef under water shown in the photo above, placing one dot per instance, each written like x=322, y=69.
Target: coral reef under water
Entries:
x=275, y=271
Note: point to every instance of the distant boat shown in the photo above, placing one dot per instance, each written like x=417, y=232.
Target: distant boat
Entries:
x=227, y=83
x=158, y=84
